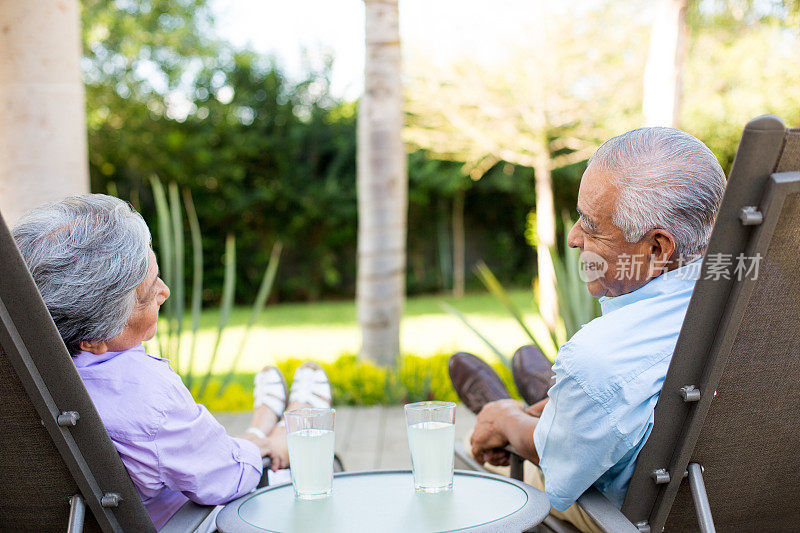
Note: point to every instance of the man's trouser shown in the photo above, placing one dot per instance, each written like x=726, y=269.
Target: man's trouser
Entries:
x=532, y=475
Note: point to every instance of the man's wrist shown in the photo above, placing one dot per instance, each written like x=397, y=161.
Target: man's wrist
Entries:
x=517, y=428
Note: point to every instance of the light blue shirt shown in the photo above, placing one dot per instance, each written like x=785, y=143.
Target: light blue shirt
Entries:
x=607, y=380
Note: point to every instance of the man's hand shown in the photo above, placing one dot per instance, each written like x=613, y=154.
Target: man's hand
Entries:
x=489, y=437
x=501, y=423
x=537, y=408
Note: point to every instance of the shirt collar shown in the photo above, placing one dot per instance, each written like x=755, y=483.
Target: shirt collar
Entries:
x=84, y=359
x=666, y=283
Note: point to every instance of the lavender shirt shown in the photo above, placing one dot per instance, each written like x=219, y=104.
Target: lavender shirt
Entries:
x=173, y=448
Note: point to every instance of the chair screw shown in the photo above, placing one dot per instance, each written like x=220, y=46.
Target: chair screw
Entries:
x=660, y=476
x=68, y=418
x=110, y=499
x=689, y=393
x=750, y=216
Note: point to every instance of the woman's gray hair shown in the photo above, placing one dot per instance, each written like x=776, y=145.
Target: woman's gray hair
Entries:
x=87, y=255
x=667, y=179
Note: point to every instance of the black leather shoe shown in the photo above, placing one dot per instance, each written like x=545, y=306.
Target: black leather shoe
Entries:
x=532, y=373
x=475, y=382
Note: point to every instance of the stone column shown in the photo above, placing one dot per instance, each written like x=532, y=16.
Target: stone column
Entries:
x=43, y=150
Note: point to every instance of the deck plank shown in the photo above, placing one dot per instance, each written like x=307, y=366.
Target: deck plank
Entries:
x=367, y=438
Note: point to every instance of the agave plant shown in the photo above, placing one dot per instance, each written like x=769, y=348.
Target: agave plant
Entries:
x=575, y=305
x=169, y=213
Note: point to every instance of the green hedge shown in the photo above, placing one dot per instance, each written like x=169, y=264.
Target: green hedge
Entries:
x=357, y=382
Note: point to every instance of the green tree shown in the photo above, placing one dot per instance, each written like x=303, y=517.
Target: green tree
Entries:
x=566, y=85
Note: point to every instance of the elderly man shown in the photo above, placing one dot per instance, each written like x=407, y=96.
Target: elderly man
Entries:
x=647, y=204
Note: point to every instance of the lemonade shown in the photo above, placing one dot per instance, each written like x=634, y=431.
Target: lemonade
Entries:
x=431, y=445
x=311, y=462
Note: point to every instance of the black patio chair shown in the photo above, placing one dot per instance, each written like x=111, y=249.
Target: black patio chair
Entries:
x=721, y=453
x=59, y=469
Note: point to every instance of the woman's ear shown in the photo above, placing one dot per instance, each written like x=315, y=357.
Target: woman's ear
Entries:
x=95, y=347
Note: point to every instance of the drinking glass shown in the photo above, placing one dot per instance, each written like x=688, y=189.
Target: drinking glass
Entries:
x=309, y=433
x=431, y=437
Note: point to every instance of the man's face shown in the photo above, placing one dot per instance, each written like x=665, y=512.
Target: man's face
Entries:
x=601, y=243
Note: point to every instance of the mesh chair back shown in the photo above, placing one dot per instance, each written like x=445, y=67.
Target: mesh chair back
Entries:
x=36, y=484
x=740, y=345
x=42, y=463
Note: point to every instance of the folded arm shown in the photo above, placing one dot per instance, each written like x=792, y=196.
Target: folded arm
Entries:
x=501, y=423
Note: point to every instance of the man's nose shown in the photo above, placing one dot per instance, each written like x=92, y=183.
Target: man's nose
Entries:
x=575, y=237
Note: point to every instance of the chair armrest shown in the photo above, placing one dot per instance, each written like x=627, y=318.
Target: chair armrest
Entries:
x=602, y=511
x=187, y=519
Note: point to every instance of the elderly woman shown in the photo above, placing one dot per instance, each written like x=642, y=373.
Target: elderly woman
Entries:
x=90, y=257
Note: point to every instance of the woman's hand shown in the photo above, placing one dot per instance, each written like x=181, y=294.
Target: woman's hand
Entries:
x=278, y=450
x=273, y=446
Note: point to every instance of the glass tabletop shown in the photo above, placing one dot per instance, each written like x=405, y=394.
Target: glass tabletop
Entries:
x=386, y=501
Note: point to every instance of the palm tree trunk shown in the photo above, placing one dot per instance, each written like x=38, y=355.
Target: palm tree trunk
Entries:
x=382, y=188
x=663, y=72
x=546, y=235
x=43, y=153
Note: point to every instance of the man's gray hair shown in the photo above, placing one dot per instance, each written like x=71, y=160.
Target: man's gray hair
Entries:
x=666, y=179
x=87, y=255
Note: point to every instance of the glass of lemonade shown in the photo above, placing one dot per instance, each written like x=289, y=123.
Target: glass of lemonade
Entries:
x=431, y=438
x=309, y=433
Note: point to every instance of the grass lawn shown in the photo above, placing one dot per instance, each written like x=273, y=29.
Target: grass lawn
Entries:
x=325, y=330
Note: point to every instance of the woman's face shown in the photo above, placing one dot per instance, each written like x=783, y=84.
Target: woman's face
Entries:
x=142, y=324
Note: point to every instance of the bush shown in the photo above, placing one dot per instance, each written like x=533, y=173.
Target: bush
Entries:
x=356, y=381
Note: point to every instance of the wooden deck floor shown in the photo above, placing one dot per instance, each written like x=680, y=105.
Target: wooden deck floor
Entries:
x=367, y=438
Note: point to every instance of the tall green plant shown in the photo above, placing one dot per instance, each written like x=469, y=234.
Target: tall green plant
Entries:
x=228, y=286
x=171, y=250
x=176, y=216
x=579, y=306
x=548, y=343
x=197, y=277
x=455, y=312
x=261, y=299
x=166, y=254
x=576, y=306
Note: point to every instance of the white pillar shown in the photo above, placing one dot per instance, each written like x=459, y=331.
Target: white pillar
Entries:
x=43, y=150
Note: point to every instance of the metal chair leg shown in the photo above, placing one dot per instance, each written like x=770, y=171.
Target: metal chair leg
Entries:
x=700, y=497
x=77, y=513
x=517, y=469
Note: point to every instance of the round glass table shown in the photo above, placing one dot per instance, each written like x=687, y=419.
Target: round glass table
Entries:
x=386, y=501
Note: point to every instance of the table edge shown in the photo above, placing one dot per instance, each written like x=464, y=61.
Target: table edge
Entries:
x=228, y=520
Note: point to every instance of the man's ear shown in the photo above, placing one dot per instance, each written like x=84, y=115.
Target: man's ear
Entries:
x=95, y=347
x=662, y=251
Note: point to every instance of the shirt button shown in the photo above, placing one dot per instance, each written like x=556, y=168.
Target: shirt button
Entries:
x=236, y=455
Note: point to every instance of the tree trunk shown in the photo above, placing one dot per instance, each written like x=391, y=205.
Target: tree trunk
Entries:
x=443, y=245
x=663, y=72
x=542, y=169
x=382, y=187
x=546, y=235
x=43, y=153
x=459, y=244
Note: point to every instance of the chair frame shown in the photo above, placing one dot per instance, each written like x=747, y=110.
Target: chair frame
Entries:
x=44, y=367
x=747, y=220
